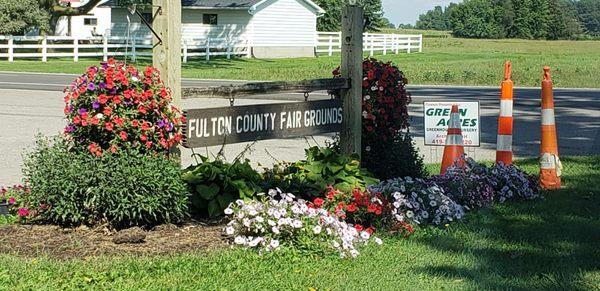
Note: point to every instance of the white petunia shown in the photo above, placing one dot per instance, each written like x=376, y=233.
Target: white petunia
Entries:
x=274, y=243
x=378, y=241
x=239, y=240
x=228, y=211
x=317, y=229
x=229, y=230
x=275, y=229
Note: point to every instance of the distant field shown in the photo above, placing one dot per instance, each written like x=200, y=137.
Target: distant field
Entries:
x=444, y=61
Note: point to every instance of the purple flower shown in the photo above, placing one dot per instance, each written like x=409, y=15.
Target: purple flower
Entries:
x=113, y=91
x=170, y=126
x=91, y=87
x=161, y=123
x=71, y=108
x=96, y=105
x=81, y=111
x=104, y=65
x=70, y=128
x=102, y=85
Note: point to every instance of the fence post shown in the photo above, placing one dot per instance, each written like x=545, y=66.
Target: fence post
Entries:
x=185, y=51
x=208, y=49
x=372, y=53
x=228, y=49
x=351, y=68
x=11, y=43
x=133, y=52
x=75, y=49
x=397, y=43
x=409, y=44
x=44, y=49
x=105, y=48
x=248, y=48
x=420, y=43
x=385, y=44
x=330, y=52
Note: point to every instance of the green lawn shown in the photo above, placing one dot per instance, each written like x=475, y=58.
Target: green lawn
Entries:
x=545, y=245
x=450, y=61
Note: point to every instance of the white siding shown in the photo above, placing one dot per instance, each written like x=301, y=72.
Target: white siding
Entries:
x=280, y=23
x=231, y=24
x=78, y=29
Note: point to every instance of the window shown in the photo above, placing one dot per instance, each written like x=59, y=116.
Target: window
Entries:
x=210, y=19
x=147, y=16
x=90, y=21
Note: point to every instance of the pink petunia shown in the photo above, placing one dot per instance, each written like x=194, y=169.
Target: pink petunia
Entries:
x=23, y=212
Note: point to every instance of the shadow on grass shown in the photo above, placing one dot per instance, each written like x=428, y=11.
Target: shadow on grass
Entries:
x=549, y=244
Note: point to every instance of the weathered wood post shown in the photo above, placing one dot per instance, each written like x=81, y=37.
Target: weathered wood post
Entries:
x=351, y=68
x=166, y=56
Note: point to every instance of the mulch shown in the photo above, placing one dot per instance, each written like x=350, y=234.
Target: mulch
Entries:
x=83, y=242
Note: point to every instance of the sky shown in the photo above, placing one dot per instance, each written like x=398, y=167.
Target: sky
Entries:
x=408, y=11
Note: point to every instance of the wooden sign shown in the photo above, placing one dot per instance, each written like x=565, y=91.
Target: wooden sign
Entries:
x=235, y=124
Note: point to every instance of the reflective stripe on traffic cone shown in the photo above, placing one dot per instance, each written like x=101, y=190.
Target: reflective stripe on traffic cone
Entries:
x=550, y=166
x=505, y=120
x=454, y=150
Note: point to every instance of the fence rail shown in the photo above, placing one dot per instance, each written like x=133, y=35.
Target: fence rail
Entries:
x=331, y=42
x=18, y=47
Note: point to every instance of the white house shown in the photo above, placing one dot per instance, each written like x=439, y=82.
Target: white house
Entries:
x=97, y=21
x=273, y=28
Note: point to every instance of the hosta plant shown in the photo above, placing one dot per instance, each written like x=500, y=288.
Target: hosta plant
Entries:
x=282, y=221
x=323, y=167
x=115, y=107
x=215, y=184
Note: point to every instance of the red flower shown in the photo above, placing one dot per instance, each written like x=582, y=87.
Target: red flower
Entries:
x=372, y=208
x=319, y=202
x=359, y=227
x=95, y=120
x=23, y=212
x=113, y=149
x=351, y=208
x=102, y=98
x=370, y=230
x=107, y=111
x=123, y=135
x=143, y=137
x=142, y=109
x=109, y=126
x=145, y=126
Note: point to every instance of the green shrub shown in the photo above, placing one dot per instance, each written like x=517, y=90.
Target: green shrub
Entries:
x=72, y=188
x=401, y=158
x=215, y=184
x=323, y=167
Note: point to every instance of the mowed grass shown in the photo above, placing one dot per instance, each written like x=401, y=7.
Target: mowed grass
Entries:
x=444, y=61
x=546, y=245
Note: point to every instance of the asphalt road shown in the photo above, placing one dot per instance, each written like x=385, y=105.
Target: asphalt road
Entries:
x=31, y=103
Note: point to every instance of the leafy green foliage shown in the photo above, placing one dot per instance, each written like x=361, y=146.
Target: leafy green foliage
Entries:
x=73, y=188
x=589, y=14
x=332, y=19
x=215, y=184
x=19, y=16
x=402, y=158
x=323, y=167
x=529, y=19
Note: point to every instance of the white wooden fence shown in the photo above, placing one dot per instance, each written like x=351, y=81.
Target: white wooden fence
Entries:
x=330, y=42
x=15, y=47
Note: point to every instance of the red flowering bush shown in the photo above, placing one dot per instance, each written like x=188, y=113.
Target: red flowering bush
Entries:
x=366, y=210
x=385, y=122
x=385, y=101
x=115, y=106
x=13, y=198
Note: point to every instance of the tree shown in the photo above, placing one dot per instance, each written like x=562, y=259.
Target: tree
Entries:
x=589, y=14
x=19, y=16
x=434, y=19
x=477, y=19
x=57, y=10
x=563, y=20
x=331, y=21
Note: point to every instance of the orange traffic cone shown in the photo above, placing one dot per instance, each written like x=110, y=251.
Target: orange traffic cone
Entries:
x=454, y=150
x=550, y=166
x=505, y=120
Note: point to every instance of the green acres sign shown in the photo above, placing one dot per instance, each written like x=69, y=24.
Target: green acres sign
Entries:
x=437, y=115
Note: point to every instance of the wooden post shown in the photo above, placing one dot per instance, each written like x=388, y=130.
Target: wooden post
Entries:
x=44, y=49
x=75, y=49
x=352, y=59
x=11, y=44
x=166, y=57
